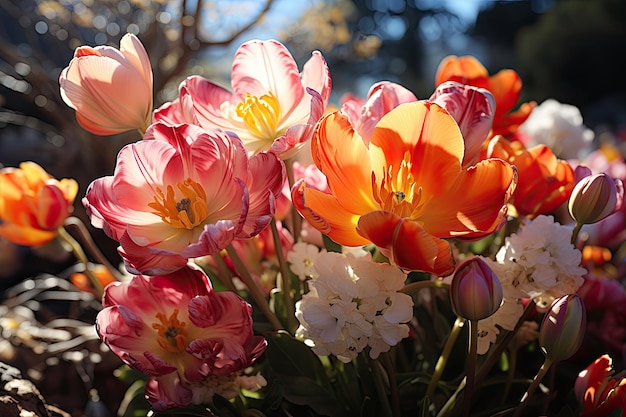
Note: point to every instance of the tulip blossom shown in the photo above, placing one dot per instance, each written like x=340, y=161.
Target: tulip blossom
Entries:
x=599, y=391
x=189, y=339
x=183, y=192
x=473, y=109
x=407, y=190
x=475, y=291
x=382, y=97
x=271, y=107
x=544, y=181
x=594, y=198
x=110, y=89
x=563, y=327
x=33, y=204
x=505, y=86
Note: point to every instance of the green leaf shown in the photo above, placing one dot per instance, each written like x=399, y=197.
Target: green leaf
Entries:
x=330, y=245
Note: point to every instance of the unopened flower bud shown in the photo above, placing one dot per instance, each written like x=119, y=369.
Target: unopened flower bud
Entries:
x=563, y=327
x=594, y=198
x=475, y=291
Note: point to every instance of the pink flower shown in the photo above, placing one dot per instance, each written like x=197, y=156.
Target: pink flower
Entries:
x=181, y=193
x=110, y=89
x=271, y=107
x=180, y=332
x=382, y=97
x=473, y=109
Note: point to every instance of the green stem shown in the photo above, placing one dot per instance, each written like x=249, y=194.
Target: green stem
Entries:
x=255, y=292
x=443, y=358
x=451, y=403
x=414, y=287
x=87, y=240
x=575, y=232
x=285, y=281
x=510, y=374
x=533, y=386
x=393, y=383
x=296, y=220
x=470, y=367
x=225, y=275
x=380, y=386
x=80, y=255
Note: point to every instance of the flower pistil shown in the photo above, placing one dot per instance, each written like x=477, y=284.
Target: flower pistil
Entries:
x=186, y=212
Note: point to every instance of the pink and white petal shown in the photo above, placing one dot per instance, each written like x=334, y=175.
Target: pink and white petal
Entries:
x=260, y=67
x=143, y=260
x=206, y=99
x=167, y=391
x=406, y=243
x=139, y=171
x=213, y=238
x=316, y=75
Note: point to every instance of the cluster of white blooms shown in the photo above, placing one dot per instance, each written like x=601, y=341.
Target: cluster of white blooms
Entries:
x=537, y=262
x=540, y=262
x=560, y=127
x=301, y=260
x=353, y=303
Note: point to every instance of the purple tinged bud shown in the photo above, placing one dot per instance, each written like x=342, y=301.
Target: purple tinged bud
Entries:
x=475, y=291
x=563, y=327
x=594, y=198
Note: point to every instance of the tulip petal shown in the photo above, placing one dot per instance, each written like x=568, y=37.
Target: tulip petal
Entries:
x=339, y=152
x=406, y=243
x=431, y=138
x=327, y=215
x=260, y=67
x=473, y=206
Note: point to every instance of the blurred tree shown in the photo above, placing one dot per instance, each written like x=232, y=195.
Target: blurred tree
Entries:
x=571, y=55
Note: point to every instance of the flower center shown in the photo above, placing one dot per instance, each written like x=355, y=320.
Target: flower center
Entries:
x=398, y=192
x=185, y=209
x=171, y=332
x=260, y=114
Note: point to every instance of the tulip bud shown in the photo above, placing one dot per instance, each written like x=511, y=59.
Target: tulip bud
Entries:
x=475, y=291
x=563, y=327
x=594, y=198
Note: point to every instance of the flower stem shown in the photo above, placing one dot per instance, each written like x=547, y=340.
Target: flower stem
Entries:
x=510, y=374
x=225, y=275
x=80, y=255
x=470, y=367
x=575, y=232
x=393, y=383
x=87, y=240
x=377, y=375
x=296, y=220
x=414, y=287
x=254, y=290
x=285, y=279
x=533, y=386
x=443, y=358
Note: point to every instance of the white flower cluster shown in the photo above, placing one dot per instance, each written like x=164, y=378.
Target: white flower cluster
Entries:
x=541, y=262
x=353, y=303
x=537, y=262
x=560, y=127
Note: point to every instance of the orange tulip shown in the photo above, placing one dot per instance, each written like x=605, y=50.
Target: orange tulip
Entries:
x=505, y=86
x=33, y=204
x=545, y=182
x=407, y=190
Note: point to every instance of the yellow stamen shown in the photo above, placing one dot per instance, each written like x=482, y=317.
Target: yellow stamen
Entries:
x=171, y=332
x=398, y=191
x=260, y=114
x=185, y=209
